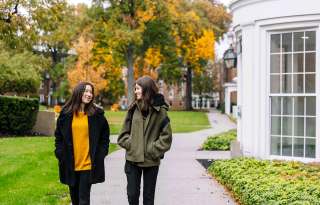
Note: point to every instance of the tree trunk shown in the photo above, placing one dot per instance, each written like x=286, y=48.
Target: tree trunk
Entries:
x=189, y=90
x=130, y=62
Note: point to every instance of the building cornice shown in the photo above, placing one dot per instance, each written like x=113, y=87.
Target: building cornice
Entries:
x=235, y=4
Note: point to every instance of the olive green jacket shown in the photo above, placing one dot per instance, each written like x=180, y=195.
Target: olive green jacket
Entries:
x=143, y=147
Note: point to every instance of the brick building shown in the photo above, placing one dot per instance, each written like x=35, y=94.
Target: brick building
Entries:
x=175, y=95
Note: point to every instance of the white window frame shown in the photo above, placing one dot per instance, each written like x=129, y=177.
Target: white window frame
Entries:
x=41, y=86
x=269, y=95
x=181, y=92
x=41, y=96
x=171, y=93
x=161, y=91
x=181, y=103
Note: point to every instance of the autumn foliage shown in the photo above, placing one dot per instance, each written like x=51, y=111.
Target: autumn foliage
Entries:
x=83, y=69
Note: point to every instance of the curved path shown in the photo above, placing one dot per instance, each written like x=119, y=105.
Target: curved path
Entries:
x=181, y=179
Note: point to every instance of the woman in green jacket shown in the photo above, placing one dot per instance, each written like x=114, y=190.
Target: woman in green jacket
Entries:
x=146, y=135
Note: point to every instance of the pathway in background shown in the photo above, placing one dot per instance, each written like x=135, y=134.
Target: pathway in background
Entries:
x=181, y=179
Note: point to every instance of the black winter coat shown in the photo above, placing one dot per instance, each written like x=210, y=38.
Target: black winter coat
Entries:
x=99, y=134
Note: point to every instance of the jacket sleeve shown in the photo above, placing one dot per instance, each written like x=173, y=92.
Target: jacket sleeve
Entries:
x=104, y=137
x=125, y=131
x=59, y=140
x=163, y=144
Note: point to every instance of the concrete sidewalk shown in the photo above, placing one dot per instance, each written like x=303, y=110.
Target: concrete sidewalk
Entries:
x=181, y=179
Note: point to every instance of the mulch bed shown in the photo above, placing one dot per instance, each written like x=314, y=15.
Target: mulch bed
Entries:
x=206, y=163
x=23, y=134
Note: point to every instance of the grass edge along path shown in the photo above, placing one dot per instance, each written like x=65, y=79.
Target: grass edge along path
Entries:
x=254, y=181
x=29, y=172
x=181, y=121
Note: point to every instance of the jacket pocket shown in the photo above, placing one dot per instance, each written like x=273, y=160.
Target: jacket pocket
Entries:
x=128, y=144
x=150, y=151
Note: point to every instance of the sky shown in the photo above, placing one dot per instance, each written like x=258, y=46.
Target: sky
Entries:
x=220, y=47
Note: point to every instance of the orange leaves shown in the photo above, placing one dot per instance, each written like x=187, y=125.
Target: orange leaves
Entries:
x=142, y=67
x=83, y=69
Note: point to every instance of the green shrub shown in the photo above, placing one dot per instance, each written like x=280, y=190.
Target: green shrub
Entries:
x=222, y=106
x=220, y=141
x=263, y=182
x=233, y=119
x=18, y=114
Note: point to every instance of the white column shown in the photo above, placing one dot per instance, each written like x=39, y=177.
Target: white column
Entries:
x=247, y=89
x=227, y=100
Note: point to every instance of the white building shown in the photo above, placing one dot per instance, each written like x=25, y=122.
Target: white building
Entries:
x=278, y=78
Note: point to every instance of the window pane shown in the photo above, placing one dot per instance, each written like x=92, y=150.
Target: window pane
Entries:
x=275, y=63
x=287, y=83
x=297, y=83
x=275, y=84
x=310, y=83
x=287, y=146
x=287, y=60
x=287, y=126
x=297, y=62
x=298, y=126
x=310, y=126
x=275, y=43
x=310, y=41
x=310, y=62
x=298, y=41
x=275, y=105
x=298, y=105
x=298, y=147
x=275, y=145
x=275, y=125
x=311, y=106
x=287, y=42
x=287, y=106
x=311, y=148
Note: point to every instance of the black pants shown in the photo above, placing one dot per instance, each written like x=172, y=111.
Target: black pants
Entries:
x=134, y=173
x=80, y=193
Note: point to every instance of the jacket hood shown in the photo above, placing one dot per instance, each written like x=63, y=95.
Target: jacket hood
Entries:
x=160, y=102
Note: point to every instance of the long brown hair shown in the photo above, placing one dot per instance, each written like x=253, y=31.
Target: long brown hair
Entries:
x=149, y=92
x=73, y=105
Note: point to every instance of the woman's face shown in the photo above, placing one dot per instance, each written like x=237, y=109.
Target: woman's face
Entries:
x=138, y=91
x=87, y=95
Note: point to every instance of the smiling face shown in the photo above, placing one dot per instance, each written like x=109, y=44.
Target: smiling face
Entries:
x=138, y=91
x=87, y=95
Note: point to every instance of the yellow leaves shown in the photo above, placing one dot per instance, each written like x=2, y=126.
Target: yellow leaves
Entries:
x=83, y=69
x=197, y=48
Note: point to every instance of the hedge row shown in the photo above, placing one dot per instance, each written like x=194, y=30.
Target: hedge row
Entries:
x=264, y=182
x=220, y=141
x=18, y=114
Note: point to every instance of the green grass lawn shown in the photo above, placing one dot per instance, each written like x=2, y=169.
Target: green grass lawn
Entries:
x=181, y=121
x=29, y=172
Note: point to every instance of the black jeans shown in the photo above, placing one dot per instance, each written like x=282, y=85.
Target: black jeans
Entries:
x=80, y=193
x=134, y=173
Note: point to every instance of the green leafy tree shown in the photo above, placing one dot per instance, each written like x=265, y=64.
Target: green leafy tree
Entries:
x=198, y=25
x=21, y=73
x=204, y=84
x=131, y=27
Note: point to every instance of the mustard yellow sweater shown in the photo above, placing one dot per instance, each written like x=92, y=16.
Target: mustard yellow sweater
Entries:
x=80, y=136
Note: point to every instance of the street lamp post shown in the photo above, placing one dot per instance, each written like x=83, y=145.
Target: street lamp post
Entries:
x=231, y=58
x=48, y=77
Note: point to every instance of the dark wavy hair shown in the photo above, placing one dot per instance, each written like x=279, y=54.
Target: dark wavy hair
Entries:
x=73, y=105
x=149, y=92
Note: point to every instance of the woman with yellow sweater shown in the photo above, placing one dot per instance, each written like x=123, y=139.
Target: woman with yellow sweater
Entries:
x=82, y=143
